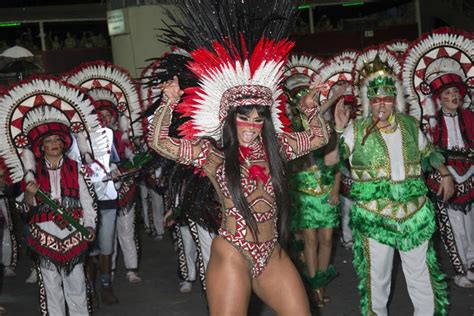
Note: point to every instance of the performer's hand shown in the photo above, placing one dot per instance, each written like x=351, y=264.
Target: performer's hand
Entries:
x=115, y=174
x=167, y=221
x=32, y=188
x=336, y=96
x=171, y=89
x=91, y=236
x=308, y=101
x=341, y=115
x=333, y=197
x=446, y=188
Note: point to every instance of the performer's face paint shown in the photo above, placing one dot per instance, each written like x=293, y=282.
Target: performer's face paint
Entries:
x=107, y=118
x=249, y=127
x=53, y=146
x=450, y=99
x=382, y=107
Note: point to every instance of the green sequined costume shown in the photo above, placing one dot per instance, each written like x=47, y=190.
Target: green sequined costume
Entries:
x=309, y=190
x=394, y=213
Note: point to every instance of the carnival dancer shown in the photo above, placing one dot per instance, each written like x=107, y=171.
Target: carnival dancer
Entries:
x=3, y=310
x=103, y=171
x=391, y=211
x=47, y=127
x=151, y=195
x=337, y=72
x=194, y=211
x=314, y=186
x=151, y=188
x=118, y=105
x=345, y=61
x=194, y=208
x=439, y=72
x=239, y=103
x=9, y=248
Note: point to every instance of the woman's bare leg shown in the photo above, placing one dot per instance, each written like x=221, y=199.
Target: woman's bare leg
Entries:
x=228, y=280
x=280, y=286
x=311, y=251
x=325, y=247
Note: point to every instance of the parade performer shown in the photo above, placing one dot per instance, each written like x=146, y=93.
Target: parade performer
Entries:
x=235, y=135
x=314, y=186
x=194, y=212
x=117, y=102
x=47, y=127
x=193, y=202
x=100, y=257
x=152, y=186
x=439, y=74
x=391, y=211
x=3, y=310
x=344, y=63
x=9, y=246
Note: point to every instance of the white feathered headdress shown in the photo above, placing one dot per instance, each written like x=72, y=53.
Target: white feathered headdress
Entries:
x=40, y=107
x=377, y=72
x=106, y=82
x=435, y=61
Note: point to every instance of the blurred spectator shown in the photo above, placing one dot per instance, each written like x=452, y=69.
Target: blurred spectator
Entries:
x=55, y=43
x=70, y=41
x=101, y=41
x=86, y=41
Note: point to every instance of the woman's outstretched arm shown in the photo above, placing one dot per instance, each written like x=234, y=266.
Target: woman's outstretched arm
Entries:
x=316, y=134
x=189, y=152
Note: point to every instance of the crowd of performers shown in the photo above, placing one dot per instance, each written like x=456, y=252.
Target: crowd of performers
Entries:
x=231, y=143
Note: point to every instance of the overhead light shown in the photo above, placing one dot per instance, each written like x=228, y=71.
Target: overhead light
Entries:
x=10, y=24
x=352, y=3
x=304, y=6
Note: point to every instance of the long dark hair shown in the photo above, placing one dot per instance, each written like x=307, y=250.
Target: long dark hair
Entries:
x=276, y=162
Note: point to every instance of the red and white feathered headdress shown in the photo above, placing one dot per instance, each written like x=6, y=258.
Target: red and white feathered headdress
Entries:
x=37, y=108
x=112, y=88
x=227, y=81
x=434, y=62
x=398, y=48
x=299, y=74
x=337, y=71
x=346, y=54
x=238, y=50
x=377, y=71
x=300, y=71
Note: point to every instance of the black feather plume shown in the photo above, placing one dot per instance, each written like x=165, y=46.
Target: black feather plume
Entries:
x=199, y=23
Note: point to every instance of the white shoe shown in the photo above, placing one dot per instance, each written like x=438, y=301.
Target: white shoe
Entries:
x=347, y=244
x=185, y=287
x=133, y=277
x=461, y=281
x=158, y=237
x=3, y=310
x=33, y=277
x=470, y=275
x=9, y=272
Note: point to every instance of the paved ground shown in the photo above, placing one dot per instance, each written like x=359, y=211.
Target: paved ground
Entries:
x=158, y=293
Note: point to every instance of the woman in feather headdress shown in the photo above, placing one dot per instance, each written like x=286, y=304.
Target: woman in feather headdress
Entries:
x=236, y=135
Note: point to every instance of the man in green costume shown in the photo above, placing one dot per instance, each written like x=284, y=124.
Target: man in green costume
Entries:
x=391, y=212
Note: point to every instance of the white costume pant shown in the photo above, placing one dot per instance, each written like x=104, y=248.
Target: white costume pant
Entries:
x=125, y=236
x=62, y=288
x=149, y=196
x=205, y=238
x=416, y=274
x=7, y=245
x=463, y=230
x=346, y=205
